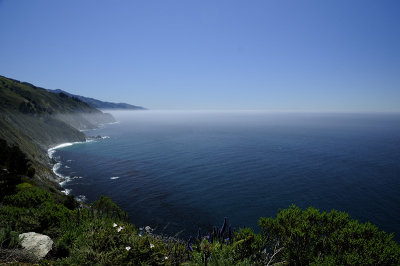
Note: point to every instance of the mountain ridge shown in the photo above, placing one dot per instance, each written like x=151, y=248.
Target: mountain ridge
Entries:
x=100, y=104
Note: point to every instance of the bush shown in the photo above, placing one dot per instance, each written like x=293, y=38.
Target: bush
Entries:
x=70, y=202
x=98, y=241
x=105, y=207
x=9, y=239
x=13, y=159
x=13, y=165
x=19, y=219
x=312, y=237
x=28, y=196
x=247, y=245
x=52, y=218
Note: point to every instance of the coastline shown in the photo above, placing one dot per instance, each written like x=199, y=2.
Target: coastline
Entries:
x=62, y=180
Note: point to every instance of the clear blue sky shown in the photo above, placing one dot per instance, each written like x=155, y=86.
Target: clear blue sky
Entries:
x=333, y=55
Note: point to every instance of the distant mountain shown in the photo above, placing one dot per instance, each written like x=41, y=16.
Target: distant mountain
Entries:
x=100, y=104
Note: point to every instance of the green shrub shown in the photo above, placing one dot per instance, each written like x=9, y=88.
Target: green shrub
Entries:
x=98, y=241
x=210, y=254
x=9, y=239
x=247, y=245
x=70, y=202
x=312, y=237
x=19, y=219
x=28, y=196
x=52, y=218
x=8, y=182
x=105, y=207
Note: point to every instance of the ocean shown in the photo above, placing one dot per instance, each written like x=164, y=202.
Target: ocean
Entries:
x=178, y=171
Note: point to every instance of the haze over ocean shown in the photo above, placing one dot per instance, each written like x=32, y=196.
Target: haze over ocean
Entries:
x=183, y=170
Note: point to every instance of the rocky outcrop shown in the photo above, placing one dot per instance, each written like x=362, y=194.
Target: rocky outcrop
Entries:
x=37, y=244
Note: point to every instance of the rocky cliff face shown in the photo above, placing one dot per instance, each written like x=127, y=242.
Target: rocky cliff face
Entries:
x=35, y=119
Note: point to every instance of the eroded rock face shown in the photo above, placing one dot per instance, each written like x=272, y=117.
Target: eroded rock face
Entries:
x=38, y=244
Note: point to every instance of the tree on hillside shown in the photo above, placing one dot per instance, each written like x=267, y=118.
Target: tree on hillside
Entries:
x=13, y=165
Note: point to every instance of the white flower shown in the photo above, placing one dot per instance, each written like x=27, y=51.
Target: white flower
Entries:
x=166, y=257
x=119, y=228
x=151, y=246
x=128, y=248
x=114, y=225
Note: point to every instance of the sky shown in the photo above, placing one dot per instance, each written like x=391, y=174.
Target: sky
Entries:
x=332, y=55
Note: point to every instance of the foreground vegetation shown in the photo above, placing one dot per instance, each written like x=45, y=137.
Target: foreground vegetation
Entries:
x=100, y=233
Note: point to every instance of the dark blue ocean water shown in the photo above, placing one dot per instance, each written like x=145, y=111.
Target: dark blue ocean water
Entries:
x=183, y=170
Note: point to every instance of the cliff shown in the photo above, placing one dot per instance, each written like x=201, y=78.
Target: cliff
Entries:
x=35, y=119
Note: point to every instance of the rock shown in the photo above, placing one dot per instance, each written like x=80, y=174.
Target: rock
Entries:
x=38, y=244
x=148, y=229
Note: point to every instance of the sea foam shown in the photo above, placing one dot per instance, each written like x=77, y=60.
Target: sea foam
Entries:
x=81, y=198
x=57, y=165
x=52, y=150
x=66, y=191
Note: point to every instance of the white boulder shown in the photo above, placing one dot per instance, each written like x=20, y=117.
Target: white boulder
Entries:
x=38, y=244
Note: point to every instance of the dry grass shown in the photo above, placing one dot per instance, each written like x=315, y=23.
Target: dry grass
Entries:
x=9, y=256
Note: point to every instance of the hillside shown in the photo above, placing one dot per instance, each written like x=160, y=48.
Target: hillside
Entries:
x=35, y=119
x=101, y=104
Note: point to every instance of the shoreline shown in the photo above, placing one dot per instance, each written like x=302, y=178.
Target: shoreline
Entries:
x=62, y=180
